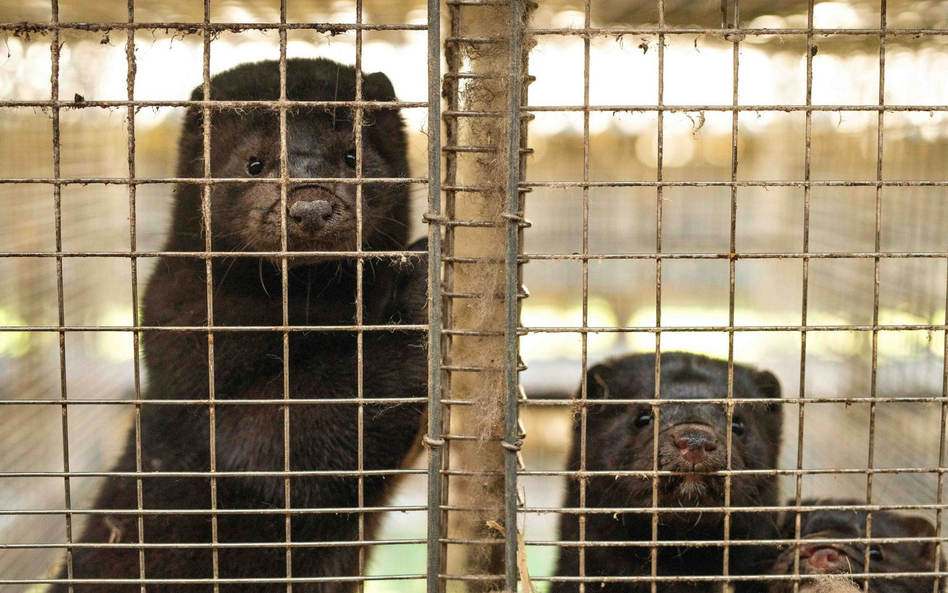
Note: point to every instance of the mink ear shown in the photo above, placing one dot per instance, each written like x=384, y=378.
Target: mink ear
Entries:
x=194, y=112
x=597, y=381
x=377, y=87
x=768, y=384
x=920, y=527
x=385, y=125
x=788, y=523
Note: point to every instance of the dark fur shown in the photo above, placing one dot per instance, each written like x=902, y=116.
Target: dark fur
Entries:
x=614, y=442
x=896, y=556
x=249, y=365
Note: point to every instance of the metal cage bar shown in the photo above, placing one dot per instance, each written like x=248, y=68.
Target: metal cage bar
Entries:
x=873, y=379
x=133, y=246
x=513, y=214
x=659, y=214
x=209, y=278
x=584, y=338
x=433, y=440
x=208, y=31
x=732, y=275
x=284, y=295
x=57, y=200
x=804, y=297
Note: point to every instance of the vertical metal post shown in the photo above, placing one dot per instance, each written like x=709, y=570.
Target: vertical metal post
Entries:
x=880, y=140
x=584, y=335
x=360, y=291
x=807, y=191
x=133, y=246
x=511, y=288
x=285, y=310
x=434, y=440
x=659, y=204
x=58, y=207
x=209, y=271
x=732, y=277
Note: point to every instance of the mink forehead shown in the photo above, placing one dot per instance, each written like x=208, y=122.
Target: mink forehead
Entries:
x=267, y=124
x=884, y=524
x=696, y=390
x=840, y=522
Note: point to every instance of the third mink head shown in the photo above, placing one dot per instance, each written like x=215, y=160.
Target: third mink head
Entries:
x=320, y=143
x=692, y=436
x=845, y=556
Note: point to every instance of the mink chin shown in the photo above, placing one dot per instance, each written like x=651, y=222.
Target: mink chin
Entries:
x=843, y=558
x=692, y=442
x=321, y=290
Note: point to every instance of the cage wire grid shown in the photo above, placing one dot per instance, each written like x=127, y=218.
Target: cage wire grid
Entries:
x=208, y=31
x=732, y=31
x=442, y=295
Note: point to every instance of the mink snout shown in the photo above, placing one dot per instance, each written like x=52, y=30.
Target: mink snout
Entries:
x=310, y=212
x=693, y=447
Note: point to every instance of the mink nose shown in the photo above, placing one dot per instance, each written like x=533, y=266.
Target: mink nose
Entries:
x=311, y=215
x=694, y=442
x=823, y=559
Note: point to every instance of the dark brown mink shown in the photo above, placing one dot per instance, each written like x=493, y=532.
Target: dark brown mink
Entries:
x=248, y=365
x=848, y=557
x=692, y=438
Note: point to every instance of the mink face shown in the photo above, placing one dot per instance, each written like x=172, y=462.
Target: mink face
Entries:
x=848, y=557
x=692, y=442
x=692, y=436
x=320, y=143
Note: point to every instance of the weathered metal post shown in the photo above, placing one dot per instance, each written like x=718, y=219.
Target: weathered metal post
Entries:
x=486, y=64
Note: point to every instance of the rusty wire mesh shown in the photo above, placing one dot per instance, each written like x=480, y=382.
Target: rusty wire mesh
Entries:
x=22, y=570
x=849, y=288
x=871, y=388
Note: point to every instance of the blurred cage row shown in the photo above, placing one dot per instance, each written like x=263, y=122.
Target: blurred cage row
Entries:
x=698, y=77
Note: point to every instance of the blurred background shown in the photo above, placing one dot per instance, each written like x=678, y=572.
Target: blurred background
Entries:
x=698, y=70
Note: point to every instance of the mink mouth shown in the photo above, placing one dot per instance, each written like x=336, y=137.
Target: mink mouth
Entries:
x=698, y=490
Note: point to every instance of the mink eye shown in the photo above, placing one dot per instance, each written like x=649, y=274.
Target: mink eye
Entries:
x=644, y=419
x=737, y=427
x=254, y=166
x=351, y=158
x=875, y=554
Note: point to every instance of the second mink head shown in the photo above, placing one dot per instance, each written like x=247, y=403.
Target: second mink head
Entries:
x=245, y=144
x=692, y=435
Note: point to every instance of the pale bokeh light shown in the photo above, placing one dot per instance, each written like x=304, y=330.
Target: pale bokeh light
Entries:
x=623, y=70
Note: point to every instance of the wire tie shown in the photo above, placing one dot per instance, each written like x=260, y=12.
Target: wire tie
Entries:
x=514, y=446
x=518, y=218
x=432, y=443
x=434, y=217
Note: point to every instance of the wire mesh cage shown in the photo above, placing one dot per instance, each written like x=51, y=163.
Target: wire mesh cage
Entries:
x=231, y=366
